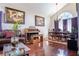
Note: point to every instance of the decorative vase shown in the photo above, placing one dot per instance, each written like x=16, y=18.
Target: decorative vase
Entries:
x=14, y=41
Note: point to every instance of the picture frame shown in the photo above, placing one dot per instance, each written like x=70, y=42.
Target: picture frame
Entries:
x=14, y=15
x=39, y=21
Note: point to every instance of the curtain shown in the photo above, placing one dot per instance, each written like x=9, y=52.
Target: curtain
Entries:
x=74, y=24
x=0, y=20
x=56, y=25
x=65, y=25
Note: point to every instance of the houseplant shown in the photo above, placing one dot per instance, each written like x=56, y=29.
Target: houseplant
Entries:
x=16, y=25
x=14, y=40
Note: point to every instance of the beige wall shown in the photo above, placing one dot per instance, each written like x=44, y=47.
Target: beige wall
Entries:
x=70, y=7
x=29, y=19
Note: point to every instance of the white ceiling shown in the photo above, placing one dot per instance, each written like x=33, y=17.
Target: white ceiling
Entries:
x=42, y=8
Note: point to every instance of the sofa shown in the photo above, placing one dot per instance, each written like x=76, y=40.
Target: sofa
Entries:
x=5, y=37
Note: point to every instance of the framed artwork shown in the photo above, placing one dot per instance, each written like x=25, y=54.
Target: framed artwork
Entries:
x=39, y=21
x=13, y=15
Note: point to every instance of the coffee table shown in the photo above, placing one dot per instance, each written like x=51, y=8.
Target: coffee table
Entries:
x=7, y=49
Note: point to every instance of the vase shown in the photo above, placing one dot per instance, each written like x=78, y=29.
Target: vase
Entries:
x=14, y=41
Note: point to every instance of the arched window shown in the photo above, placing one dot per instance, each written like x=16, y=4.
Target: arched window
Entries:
x=61, y=17
x=65, y=15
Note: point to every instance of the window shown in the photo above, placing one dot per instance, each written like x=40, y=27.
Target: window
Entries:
x=61, y=17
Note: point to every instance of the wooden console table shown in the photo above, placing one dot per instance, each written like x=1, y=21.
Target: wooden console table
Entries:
x=29, y=34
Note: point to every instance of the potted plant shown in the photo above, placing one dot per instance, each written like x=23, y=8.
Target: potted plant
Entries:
x=14, y=40
x=15, y=27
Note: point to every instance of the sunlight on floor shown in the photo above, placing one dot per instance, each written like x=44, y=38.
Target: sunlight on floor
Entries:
x=61, y=52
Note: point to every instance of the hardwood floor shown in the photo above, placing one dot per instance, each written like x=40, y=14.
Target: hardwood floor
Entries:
x=46, y=49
